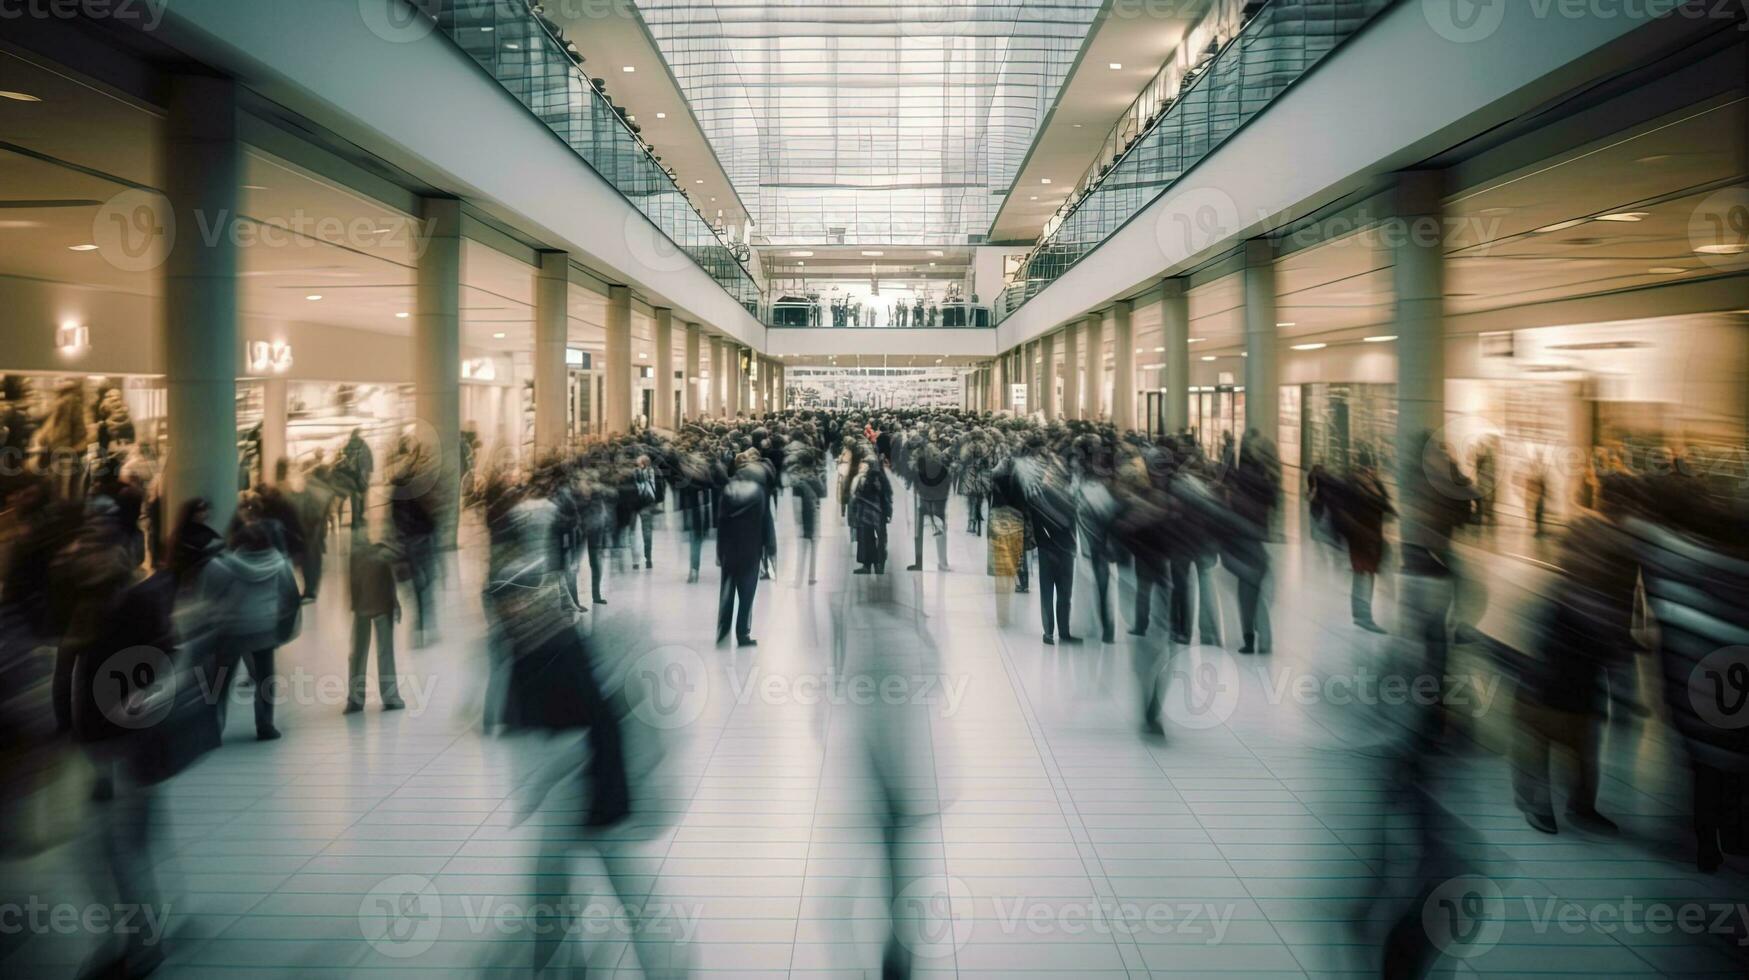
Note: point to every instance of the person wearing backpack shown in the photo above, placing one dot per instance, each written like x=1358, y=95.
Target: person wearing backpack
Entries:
x=253, y=592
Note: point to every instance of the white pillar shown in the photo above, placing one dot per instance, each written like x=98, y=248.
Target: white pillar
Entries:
x=692, y=407
x=732, y=376
x=716, y=394
x=999, y=383
x=1047, y=397
x=202, y=164
x=664, y=370
x=1029, y=367
x=616, y=385
x=552, y=319
x=1175, y=326
x=1072, y=370
x=275, y=409
x=1262, y=371
x=1419, y=279
x=1123, y=368
x=1093, y=381
x=437, y=356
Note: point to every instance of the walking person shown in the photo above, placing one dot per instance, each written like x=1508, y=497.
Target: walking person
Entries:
x=357, y=462
x=1254, y=488
x=1051, y=510
x=252, y=589
x=871, y=509
x=1359, y=505
x=745, y=535
x=650, y=492
x=375, y=608
x=932, y=482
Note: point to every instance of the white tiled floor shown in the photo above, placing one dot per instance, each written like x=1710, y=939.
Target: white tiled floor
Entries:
x=1043, y=834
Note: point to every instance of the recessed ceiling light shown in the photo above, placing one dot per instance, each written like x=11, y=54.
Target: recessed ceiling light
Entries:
x=1116, y=66
x=1077, y=125
x=1495, y=211
x=1382, y=339
x=801, y=263
x=402, y=316
x=938, y=253
x=643, y=355
x=1044, y=180
x=1288, y=324
x=82, y=248
x=1310, y=346
x=1138, y=350
x=1625, y=216
x=498, y=336
x=1655, y=158
x=1560, y=226
x=872, y=255
x=932, y=265
x=628, y=69
x=1159, y=350
x=1666, y=270
x=1210, y=357
x=314, y=297
x=802, y=255
x=19, y=96
x=513, y=46
x=1035, y=197
x=661, y=115
x=253, y=187
x=1722, y=249
x=698, y=181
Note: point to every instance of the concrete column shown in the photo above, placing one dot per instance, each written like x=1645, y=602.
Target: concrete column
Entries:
x=664, y=370
x=1262, y=367
x=275, y=411
x=1123, y=368
x=1419, y=279
x=714, y=400
x=1175, y=326
x=691, y=402
x=1030, y=372
x=437, y=356
x=202, y=166
x=1072, y=371
x=999, y=382
x=1093, y=382
x=552, y=328
x=616, y=383
x=732, y=375
x=1047, y=394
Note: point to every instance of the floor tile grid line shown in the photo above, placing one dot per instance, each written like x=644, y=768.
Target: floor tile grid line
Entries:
x=813, y=822
x=1070, y=812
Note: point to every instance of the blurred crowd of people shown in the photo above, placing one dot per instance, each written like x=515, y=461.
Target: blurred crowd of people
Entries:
x=1656, y=564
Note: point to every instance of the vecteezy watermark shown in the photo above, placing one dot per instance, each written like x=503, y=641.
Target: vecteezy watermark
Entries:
x=1718, y=688
x=932, y=916
x=137, y=230
x=36, y=917
x=403, y=916
x=1466, y=917
x=145, y=14
x=1718, y=230
x=1470, y=21
x=1202, y=690
x=136, y=688
x=668, y=687
x=854, y=690
x=1195, y=219
x=1368, y=689
x=1204, y=921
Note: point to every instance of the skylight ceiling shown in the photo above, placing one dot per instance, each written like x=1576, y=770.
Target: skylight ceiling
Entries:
x=870, y=121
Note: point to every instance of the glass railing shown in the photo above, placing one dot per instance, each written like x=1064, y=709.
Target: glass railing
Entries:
x=1278, y=45
x=804, y=314
x=529, y=57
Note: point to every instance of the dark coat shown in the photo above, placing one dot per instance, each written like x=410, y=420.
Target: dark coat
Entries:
x=745, y=529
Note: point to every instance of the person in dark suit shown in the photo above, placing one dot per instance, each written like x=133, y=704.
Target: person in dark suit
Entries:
x=745, y=534
x=1051, y=509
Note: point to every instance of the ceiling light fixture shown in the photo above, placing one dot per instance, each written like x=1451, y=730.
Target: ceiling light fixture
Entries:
x=1197, y=340
x=314, y=297
x=1280, y=326
x=1722, y=249
x=1382, y=339
x=1159, y=350
x=1666, y=270
x=19, y=97
x=629, y=69
x=1210, y=357
x=1044, y=180
x=698, y=181
x=402, y=316
x=873, y=255
x=498, y=336
x=801, y=255
x=1310, y=346
x=1116, y=66
x=81, y=248
x=661, y=115
x=1625, y=216
x=1560, y=226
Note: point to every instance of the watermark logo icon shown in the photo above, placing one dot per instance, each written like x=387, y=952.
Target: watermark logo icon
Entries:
x=1465, y=916
x=1204, y=690
x=1196, y=219
x=1718, y=230
x=135, y=688
x=401, y=917
x=1718, y=688
x=396, y=21
x=652, y=249
x=1464, y=21
x=932, y=916
x=669, y=687
x=135, y=230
